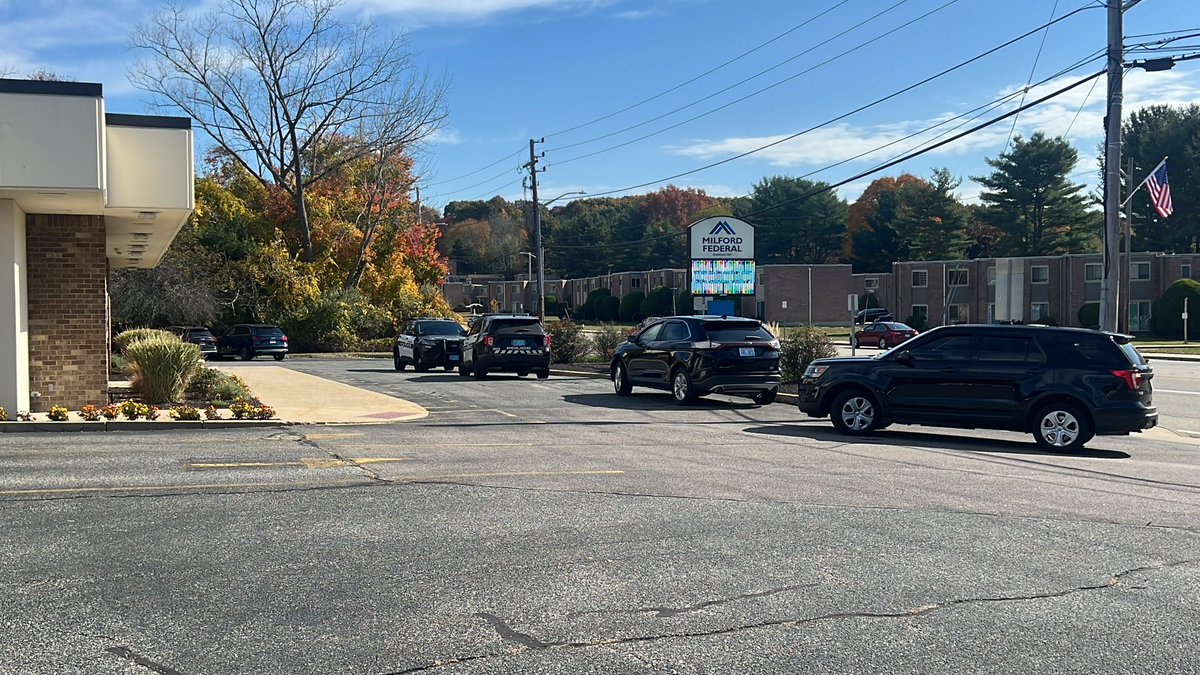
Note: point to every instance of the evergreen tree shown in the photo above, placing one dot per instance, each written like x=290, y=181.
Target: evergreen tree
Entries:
x=802, y=224
x=931, y=220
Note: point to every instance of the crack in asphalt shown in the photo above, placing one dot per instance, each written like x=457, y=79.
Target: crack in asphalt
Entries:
x=668, y=612
x=130, y=655
x=527, y=642
x=304, y=440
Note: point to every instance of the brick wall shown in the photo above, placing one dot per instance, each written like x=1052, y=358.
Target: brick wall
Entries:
x=67, y=275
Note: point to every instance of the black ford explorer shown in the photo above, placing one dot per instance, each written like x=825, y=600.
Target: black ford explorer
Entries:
x=1063, y=385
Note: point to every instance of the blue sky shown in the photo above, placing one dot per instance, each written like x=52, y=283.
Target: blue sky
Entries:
x=634, y=74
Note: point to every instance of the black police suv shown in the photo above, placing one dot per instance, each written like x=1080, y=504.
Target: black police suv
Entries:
x=691, y=356
x=428, y=343
x=1063, y=385
x=513, y=343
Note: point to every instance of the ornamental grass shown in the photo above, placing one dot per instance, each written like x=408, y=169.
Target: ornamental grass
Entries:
x=160, y=368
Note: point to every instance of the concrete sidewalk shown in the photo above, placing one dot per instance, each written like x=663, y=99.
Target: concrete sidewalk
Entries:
x=299, y=398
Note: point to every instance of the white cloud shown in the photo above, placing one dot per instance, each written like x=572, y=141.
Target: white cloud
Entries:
x=468, y=10
x=445, y=137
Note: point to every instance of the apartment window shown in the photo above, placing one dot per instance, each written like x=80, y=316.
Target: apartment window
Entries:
x=1139, y=271
x=870, y=283
x=956, y=277
x=1185, y=270
x=991, y=276
x=920, y=313
x=1039, y=274
x=920, y=278
x=1139, y=316
x=1039, y=311
x=635, y=283
x=1092, y=272
x=959, y=314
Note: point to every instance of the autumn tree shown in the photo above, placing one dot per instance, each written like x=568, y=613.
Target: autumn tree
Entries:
x=1148, y=136
x=872, y=242
x=1033, y=204
x=274, y=81
x=931, y=220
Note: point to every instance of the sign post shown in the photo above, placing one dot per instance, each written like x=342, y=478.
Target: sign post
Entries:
x=852, y=305
x=1185, y=303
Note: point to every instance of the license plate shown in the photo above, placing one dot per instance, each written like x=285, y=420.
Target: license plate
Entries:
x=454, y=357
x=745, y=351
x=518, y=343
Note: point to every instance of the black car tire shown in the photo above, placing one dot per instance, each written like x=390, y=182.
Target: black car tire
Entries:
x=854, y=413
x=479, y=373
x=522, y=373
x=766, y=397
x=279, y=357
x=882, y=343
x=247, y=354
x=620, y=380
x=397, y=362
x=543, y=374
x=1061, y=427
x=681, y=387
x=463, y=371
x=417, y=364
x=449, y=368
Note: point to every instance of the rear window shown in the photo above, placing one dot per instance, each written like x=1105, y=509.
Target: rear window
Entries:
x=897, y=326
x=516, y=326
x=736, y=331
x=1089, y=351
x=1131, y=353
x=199, y=333
x=267, y=330
x=439, y=328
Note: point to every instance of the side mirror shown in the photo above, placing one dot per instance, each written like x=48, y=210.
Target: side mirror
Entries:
x=905, y=358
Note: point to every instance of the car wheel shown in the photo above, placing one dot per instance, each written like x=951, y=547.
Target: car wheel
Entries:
x=681, y=387
x=543, y=374
x=620, y=379
x=480, y=373
x=449, y=368
x=247, y=353
x=854, y=413
x=522, y=373
x=766, y=397
x=417, y=364
x=397, y=362
x=882, y=343
x=1061, y=427
x=279, y=357
x=463, y=371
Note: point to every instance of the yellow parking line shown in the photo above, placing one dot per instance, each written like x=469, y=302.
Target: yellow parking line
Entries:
x=317, y=437
x=379, y=460
x=164, y=488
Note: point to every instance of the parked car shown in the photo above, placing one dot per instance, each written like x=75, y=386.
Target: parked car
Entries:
x=1063, y=385
x=691, y=356
x=882, y=334
x=514, y=343
x=428, y=343
x=866, y=316
x=247, y=340
x=199, y=336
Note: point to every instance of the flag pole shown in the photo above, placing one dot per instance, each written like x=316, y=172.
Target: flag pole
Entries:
x=1139, y=185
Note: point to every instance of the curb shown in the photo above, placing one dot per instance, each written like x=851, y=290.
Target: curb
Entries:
x=130, y=425
x=579, y=373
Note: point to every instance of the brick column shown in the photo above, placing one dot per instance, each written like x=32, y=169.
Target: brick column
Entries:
x=68, y=310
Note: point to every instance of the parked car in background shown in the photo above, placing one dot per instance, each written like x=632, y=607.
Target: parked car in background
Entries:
x=199, y=336
x=1063, y=385
x=872, y=315
x=428, y=343
x=246, y=340
x=882, y=334
x=691, y=356
x=513, y=343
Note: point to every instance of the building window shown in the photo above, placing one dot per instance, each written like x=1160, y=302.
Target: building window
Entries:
x=1185, y=270
x=920, y=313
x=1139, y=316
x=991, y=276
x=635, y=283
x=1039, y=274
x=920, y=278
x=870, y=283
x=1092, y=272
x=959, y=314
x=1039, y=311
x=956, y=277
x=1139, y=271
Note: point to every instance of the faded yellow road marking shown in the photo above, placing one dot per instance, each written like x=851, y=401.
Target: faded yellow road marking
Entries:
x=306, y=462
x=379, y=460
x=317, y=437
x=164, y=488
x=322, y=463
x=511, y=474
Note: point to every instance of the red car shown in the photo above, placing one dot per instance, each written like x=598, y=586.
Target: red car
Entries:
x=883, y=334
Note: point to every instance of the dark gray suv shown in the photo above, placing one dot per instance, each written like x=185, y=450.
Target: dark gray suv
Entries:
x=1063, y=385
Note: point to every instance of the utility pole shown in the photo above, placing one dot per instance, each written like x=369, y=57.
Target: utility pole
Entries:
x=418, y=205
x=1112, y=169
x=537, y=229
x=1126, y=274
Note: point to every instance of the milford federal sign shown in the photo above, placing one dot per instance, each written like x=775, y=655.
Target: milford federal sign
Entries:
x=721, y=238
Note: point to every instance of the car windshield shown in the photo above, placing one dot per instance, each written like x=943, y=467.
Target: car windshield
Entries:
x=898, y=326
x=439, y=328
x=736, y=331
x=516, y=326
x=201, y=333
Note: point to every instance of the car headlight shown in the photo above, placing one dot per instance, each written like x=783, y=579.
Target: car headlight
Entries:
x=426, y=342
x=814, y=371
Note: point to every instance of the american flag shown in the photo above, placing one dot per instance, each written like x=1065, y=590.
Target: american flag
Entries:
x=1160, y=192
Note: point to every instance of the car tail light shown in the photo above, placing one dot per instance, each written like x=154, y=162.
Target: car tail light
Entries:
x=283, y=337
x=546, y=341
x=487, y=340
x=1132, y=378
x=707, y=344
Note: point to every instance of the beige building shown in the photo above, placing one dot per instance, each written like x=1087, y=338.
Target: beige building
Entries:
x=82, y=191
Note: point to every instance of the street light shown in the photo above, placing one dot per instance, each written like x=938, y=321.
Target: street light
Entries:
x=529, y=267
x=541, y=248
x=472, y=307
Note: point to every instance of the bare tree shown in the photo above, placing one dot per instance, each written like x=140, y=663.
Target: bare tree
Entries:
x=273, y=81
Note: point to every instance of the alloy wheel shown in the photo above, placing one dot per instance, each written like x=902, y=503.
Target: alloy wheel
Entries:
x=857, y=413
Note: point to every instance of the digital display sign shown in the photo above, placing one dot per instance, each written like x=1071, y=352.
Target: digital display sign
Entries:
x=722, y=277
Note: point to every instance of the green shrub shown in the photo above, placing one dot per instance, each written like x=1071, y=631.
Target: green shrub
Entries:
x=336, y=321
x=917, y=322
x=608, y=308
x=800, y=347
x=553, y=306
x=589, y=305
x=630, y=308
x=210, y=384
x=161, y=367
x=606, y=339
x=1166, y=317
x=1089, y=315
x=683, y=303
x=658, y=302
x=125, y=338
x=568, y=344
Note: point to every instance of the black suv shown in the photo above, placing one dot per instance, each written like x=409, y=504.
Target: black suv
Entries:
x=695, y=355
x=199, y=336
x=872, y=315
x=428, y=343
x=247, y=340
x=513, y=343
x=1063, y=385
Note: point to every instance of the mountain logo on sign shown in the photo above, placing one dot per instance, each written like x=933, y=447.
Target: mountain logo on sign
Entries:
x=723, y=228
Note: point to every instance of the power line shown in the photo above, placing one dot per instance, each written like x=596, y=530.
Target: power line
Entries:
x=515, y=155
x=701, y=75
x=1032, y=70
x=861, y=108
